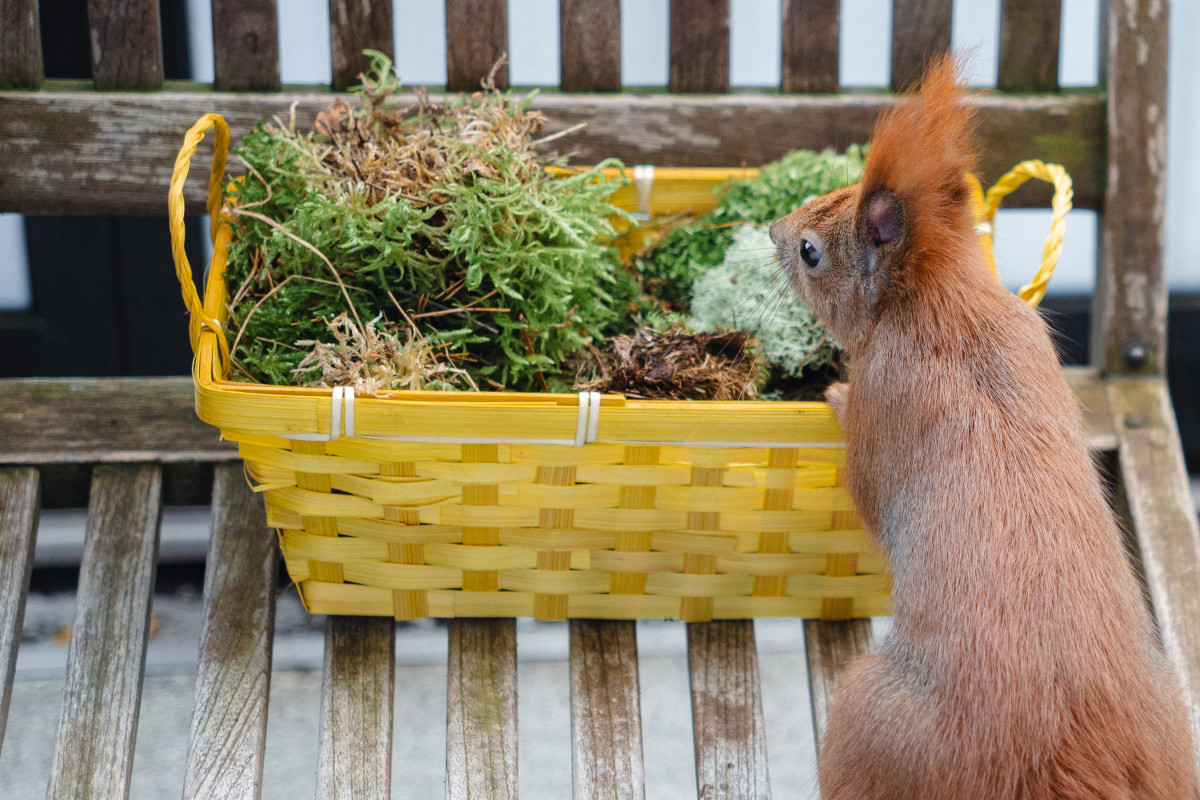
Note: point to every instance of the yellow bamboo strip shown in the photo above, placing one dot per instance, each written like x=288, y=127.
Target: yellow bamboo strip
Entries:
x=636, y=495
x=557, y=494
x=346, y=598
x=485, y=498
x=313, y=503
x=696, y=587
x=539, y=495
x=418, y=491
x=630, y=519
x=837, y=587
x=685, y=542
x=558, y=540
x=553, y=583
x=383, y=450
x=635, y=562
x=317, y=547
x=402, y=576
x=479, y=557
x=470, y=472
x=549, y=455
x=830, y=541
x=627, y=474
x=778, y=496
x=406, y=603
x=318, y=517
x=698, y=607
x=481, y=514
x=771, y=565
x=293, y=461
x=625, y=606
x=392, y=532
x=840, y=564
x=776, y=521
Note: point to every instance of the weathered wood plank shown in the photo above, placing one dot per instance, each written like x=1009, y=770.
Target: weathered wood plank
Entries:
x=97, y=725
x=829, y=648
x=356, y=708
x=1164, y=521
x=727, y=716
x=126, y=44
x=590, y=44
x=84, y=153
x=1029, y=34
x=81, y=420
x=229, y=718
x=920, y=31
x=20, y=45
x=476, y=38
x=1091, y=390
x=18, y=530
x=699, y=49
x=245, y=45
x=811, y=45
x=355, y=25
x=1129, y=312
x=606, y=721
x=481, y=713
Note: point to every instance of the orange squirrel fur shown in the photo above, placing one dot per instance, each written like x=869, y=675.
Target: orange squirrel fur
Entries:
x=1023, y=662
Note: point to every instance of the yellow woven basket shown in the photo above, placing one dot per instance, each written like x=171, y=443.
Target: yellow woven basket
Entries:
x=500, y=504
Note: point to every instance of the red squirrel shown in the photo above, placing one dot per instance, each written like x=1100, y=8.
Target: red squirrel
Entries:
x=1023, y=662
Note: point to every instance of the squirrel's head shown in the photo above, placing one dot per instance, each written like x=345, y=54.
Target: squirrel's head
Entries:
x=852, y=251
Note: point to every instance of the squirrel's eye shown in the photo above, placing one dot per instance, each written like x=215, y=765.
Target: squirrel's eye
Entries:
x=809, y=254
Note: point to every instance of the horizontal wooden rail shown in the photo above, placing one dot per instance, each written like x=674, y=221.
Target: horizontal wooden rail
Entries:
x=77, y=152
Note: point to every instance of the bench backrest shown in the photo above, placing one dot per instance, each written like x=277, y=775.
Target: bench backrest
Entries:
x=106, y=147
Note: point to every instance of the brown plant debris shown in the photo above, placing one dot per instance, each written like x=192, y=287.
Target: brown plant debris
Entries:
x=371, y=360
x=677, y=365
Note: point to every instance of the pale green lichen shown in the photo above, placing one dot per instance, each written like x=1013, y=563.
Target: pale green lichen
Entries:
x=749, y=292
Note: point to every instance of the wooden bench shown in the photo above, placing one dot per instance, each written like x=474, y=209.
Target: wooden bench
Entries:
x=108, y=148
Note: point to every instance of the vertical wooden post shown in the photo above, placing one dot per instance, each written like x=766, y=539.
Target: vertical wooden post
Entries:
x=356, y=25
x=920, y=31
x=126, y=44
x=1029, y=38
x=699, y=46
x=590, y=45
x=245, y=45
x=476, y=38
x=1129, y=313
x=810, y=45
x=20, y=45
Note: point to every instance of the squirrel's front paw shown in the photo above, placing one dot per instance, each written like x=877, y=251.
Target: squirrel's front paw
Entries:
x=836, y=395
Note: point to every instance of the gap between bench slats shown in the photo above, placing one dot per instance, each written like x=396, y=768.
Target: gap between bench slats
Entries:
x=727, y=715
x=355, y=760
x=481, y=713
x=229, y=719
x=19, y=504
x=97, y=726
x=606, y=720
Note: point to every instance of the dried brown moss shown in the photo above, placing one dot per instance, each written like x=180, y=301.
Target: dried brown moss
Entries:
x=677, y=365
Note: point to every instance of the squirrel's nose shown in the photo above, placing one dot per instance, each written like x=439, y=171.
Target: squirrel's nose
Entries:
x=776, y=232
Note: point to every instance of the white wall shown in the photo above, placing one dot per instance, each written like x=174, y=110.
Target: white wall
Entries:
x=754, y=61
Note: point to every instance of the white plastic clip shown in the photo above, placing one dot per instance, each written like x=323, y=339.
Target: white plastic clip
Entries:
x=643, y=182
x=588, y=422
x=335, y=413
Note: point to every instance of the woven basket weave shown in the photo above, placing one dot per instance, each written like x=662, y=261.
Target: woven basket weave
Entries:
x=500, y=504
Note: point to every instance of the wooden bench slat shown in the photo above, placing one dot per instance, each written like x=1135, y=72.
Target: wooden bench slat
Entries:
x=1029, y=34
x=127, y=48
x=811, y=45
x=245, y=45
x=1130, y=302
x=699, y=49
x=93, y=756
x=355, y=25
x=59, y=151
x=356, y=708
x=20, y=45
x=829, y=648
x=1164, y=517
x=229, y=719
x=920, y=30
x=80, y=421
x=590, y=45
x=727, y=715
x=481, y=713
x=476, y=37
x=606, y=719
x=18, y=531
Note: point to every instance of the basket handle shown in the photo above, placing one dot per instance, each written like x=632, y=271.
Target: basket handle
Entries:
x=984, y=210
x=200, y=318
